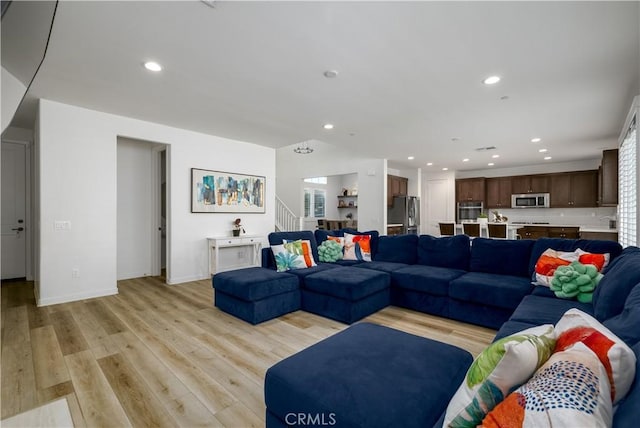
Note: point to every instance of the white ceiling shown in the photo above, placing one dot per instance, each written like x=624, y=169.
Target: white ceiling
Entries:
x=410, y=74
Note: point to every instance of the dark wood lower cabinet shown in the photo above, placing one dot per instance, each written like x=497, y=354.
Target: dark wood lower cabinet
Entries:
x=564, y=232
x=602, y=236
x=537, y=232
x=394, y=230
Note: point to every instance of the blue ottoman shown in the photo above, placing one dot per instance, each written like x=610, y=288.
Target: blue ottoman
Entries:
x=365, y=376
x=256, y=294
x=346, y=294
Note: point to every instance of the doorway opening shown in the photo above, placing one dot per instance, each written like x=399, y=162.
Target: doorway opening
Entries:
x=16, y=215
x=142, y=220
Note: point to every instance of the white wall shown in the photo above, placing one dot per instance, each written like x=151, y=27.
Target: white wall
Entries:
x=78, y=183
x=13, y=133
x=327, y=160
x=135, y=208
x=414, y=185
x=12, y=92
x=546, y=168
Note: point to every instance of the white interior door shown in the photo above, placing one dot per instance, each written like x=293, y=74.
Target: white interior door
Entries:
x=436, y=206
x=13, y=213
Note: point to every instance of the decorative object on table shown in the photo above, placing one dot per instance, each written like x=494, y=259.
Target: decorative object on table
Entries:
x=237, y=227
x=499, y=218
x=483, y=218
x=576, y=280
x=226, y=192
x=330, y=251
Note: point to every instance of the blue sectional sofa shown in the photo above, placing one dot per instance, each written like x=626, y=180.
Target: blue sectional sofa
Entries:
x=486, y=283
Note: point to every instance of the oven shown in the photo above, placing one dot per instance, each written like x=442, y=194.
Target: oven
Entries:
x=469, y=210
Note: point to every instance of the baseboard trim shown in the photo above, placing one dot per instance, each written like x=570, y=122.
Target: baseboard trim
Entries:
x=180, y=280
x=74, y=297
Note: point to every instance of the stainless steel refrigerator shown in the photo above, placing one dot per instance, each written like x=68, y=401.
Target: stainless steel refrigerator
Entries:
x=406, y=211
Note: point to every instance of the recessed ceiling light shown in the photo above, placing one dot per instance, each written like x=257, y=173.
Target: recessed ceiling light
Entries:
x=411, y=158
x=445, y=169
x=152, y=66
x=491, y=164
x=543, y=150
x=495, y=156
x=429, y=163
x=330, y=74
x=328, y=126
x=536, y=140
x=491, y=80
x=547, y=157
x=465, y=160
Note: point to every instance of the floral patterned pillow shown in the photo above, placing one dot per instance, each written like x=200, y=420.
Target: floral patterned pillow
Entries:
x=505, y=364
x=293, y=255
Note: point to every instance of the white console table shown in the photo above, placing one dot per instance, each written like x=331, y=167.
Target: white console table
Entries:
x=218, y=245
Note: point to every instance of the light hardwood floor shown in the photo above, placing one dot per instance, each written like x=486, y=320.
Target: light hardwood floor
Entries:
x=159, y=355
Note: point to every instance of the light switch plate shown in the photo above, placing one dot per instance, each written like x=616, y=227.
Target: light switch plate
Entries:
x=62, y=225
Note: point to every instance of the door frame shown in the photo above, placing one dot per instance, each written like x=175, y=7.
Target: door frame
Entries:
x=156, y=203
x=28, y=235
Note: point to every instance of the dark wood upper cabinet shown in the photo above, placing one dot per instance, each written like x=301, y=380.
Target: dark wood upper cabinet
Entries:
x=608, y=186
x=396, y=186
x=470, y=189
x=574, y=189
x=530, y=184
x=498, y=192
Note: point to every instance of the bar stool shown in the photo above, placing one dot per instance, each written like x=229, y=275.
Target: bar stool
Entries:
x=471, y=229
x=497, y=230
x=447, y=228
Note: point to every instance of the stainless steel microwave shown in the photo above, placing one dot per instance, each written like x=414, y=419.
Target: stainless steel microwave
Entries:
x=530, y=200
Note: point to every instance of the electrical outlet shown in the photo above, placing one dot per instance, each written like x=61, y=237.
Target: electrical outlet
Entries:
x=75, y=273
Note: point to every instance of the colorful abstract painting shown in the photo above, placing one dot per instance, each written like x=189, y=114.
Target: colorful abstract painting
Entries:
x=226, y=192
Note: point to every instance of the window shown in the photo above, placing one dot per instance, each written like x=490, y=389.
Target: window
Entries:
x=316, y=180
x=314, y=202
x=628, y=188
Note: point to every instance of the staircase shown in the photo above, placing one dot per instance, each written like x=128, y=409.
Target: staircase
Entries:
x=286, y=220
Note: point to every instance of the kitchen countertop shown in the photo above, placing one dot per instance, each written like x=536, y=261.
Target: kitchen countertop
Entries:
x=598, y=229
x=582, y=228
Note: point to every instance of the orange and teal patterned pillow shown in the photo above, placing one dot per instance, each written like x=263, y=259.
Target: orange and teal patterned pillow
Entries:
x=501, y=367
x=570, y=390
x=293, y=255
x=357, y=247
x=617, y=358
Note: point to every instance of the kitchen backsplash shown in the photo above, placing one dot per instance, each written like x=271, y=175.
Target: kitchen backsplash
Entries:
x=593, y=217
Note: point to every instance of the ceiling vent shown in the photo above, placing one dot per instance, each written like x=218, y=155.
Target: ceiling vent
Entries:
x=482, y=149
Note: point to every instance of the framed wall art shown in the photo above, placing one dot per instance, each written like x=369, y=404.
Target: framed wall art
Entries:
x=226, y=192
